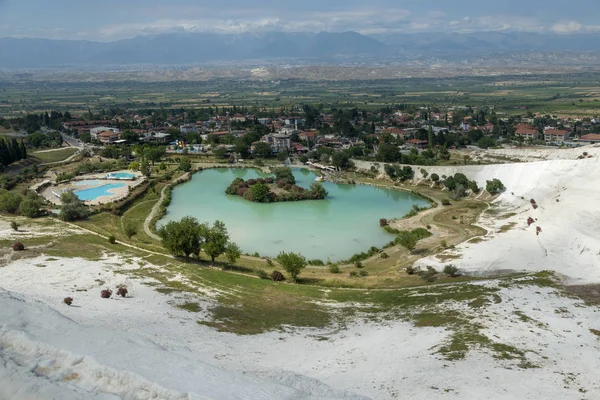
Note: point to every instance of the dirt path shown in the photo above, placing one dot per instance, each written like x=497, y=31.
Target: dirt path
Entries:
x=152, y=214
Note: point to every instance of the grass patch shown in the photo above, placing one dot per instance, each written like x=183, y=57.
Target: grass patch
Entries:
x=507, y=227
x=191, y=307
x=54, y=156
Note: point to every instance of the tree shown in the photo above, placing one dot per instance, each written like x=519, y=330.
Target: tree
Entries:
x=154, y=154
x=181, y=237
x=407, y=240
x=341, y=160
x=282, y=156
x=162, y=166
x=405, y=173
x=318, y=191
x=494, y=186
x=388, y=153
x=185, y=164
x=29, y=208
x=9, y=202
x=303, y=159
x=72, y=208
x=14, y=225
x=262, y=150
x=214, y=239
x=233, y=253
x=293, y=263
x=259, y=193
x=435, y=177
x=145, y=169
x=134, y=166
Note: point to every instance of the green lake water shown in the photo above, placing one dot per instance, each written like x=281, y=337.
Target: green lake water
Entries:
x=345, y=223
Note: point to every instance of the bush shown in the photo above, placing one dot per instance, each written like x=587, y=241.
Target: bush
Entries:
x=494, y=186
x=429, y=275
x=112, y=239
x=445, y=202
x=383, y=222
x=316, y=263
x=130, y=230
x=410, y=270
x=14, y=225
x=444, y=244
x=29, y=208
x=106, y=293
x=18, y=246
x=359, y=265
x=277, y=276
x=384, y=255
x=353, y=274
x=451, y=270
x=262, y=274
x=68, y=300
x=334, y=269
x=362, y=272
x=122, y=291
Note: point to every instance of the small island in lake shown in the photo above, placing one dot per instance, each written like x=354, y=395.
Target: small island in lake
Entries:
x=271, y=190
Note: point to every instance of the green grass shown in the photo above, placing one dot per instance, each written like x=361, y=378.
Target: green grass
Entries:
x=53, y=156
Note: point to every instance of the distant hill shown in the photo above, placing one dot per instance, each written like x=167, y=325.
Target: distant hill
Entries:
x=190, y=48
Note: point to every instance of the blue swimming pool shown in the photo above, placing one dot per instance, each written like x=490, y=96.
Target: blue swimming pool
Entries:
x=99, y=191
x=121, y=175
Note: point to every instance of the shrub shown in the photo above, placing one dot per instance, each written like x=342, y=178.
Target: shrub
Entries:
x=269, y=262
x=359, y=265
x=262, y=274
x=277, y=276
x=130, y=230
x=334, y=269
x=435, y=177
x=14, y=225
x=384, y=255
x=530, y=221
x=445, y=202
x=410, y=270
x=451, y=270
x=122, y=291
x=383, y=222
x=316, y=262
x=494, y=186
x=444, y=244
x=68, y=300
x=106, y=293
x=353, y=274
x=18, y=246
x=362, y=272
x=429, y=275
x=112, y=239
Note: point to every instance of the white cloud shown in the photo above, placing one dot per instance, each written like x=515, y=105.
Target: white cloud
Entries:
x=567, y=27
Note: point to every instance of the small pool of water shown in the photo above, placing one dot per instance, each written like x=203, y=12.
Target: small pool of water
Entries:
x=99, y=191
x=122, y=175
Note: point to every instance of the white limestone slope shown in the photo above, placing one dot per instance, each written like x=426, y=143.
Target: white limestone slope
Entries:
x=567, y=192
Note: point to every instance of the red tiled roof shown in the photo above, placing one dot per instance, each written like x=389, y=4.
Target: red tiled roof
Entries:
x=523, y=129
x=592, y=137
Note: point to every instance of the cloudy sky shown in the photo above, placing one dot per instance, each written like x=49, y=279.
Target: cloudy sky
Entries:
x=106, y=20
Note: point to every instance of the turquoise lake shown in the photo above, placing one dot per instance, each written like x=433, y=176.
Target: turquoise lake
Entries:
x=345, y=223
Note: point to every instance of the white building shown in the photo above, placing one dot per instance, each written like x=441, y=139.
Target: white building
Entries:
x=95, y=131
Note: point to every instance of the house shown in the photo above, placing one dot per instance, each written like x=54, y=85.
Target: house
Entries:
x=419, y=144
x=396, y=132
x=590, y=138
x=555, y=135
x=188, y=128
x=527, y=132
x=264, y=121
x=108, y=137
x=278, y=142
x=465, y=126
x=95, y=131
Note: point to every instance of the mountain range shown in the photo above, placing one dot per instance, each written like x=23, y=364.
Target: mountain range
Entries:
x=191, y=48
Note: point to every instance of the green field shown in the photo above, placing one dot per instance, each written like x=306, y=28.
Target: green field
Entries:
x=576, y=94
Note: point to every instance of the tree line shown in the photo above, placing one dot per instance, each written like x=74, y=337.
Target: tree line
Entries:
x=11, y=151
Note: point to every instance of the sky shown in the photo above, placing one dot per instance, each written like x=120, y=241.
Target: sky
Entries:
x=107, y=20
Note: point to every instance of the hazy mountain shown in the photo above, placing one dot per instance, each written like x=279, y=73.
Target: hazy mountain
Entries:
x=188, y=48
